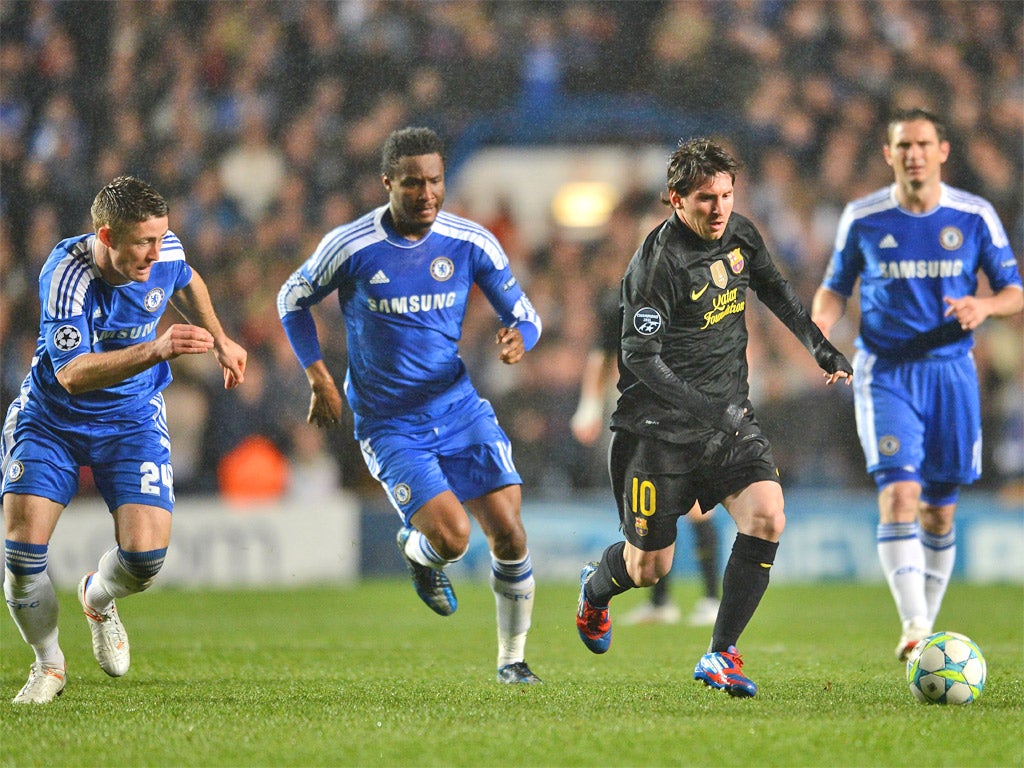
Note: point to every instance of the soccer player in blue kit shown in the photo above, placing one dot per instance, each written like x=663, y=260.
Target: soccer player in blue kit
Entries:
x=916, y=246
x=93, y=398
x=403, y=274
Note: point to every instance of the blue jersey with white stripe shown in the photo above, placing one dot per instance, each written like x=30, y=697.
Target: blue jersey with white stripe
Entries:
x=81, y=312
x=403, y=304
x=908, y=262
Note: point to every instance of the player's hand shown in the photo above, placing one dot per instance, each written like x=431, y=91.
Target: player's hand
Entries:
x=512, y=348
x=184, y=339
x=232, y=358
x=324, y=406
x=967, y=310
x=833, y=363
x=832, y=378
x=728, y=429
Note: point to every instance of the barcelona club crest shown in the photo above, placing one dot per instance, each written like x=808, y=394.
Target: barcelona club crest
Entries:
x=641, y=525
x=735, y=261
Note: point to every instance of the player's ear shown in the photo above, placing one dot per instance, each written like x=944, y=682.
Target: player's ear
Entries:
x=106, y=236
x=385, y=181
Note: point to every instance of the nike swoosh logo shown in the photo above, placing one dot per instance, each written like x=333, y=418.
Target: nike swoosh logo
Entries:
x=694, y=295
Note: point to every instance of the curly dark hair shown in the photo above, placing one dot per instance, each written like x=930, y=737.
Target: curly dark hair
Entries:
x=409, y=142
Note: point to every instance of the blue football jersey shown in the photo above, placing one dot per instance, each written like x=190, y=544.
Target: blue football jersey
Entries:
x=81, y=312
x=403, y=304
x=908, y=262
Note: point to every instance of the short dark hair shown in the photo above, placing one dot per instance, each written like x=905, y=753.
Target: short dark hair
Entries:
x=915, y=113
x=695, y=161
x=409, y=142
x=124, y=202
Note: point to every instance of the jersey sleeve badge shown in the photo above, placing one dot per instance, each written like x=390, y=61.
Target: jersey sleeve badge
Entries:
x=647, y=321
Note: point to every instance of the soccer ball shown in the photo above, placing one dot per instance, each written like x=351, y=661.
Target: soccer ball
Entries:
x=946, y=668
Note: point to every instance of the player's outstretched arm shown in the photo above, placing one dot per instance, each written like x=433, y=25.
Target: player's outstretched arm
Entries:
x=96, y=370
x=194, y=304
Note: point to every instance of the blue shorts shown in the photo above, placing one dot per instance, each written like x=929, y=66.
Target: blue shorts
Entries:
x=466, y=452
x=130, y=459
x=919, y=419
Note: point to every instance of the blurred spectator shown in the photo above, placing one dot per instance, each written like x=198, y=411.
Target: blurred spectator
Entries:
x=248, y=117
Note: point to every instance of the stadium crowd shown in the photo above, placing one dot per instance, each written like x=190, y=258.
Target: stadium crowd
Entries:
x=261, y=122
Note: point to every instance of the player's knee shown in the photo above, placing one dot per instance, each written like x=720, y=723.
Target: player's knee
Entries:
x=139, y=569
x=451, y=543
x=768, y=523
x=23, y=563
x=649, y=569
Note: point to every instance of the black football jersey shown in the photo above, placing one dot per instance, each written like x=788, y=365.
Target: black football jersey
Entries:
x=683, y=334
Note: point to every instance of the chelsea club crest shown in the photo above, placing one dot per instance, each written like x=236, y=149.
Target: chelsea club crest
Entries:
x=442, y=268
x=153, y=300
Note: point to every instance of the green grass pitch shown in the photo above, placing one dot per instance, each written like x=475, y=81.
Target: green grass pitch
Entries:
x=368, y=676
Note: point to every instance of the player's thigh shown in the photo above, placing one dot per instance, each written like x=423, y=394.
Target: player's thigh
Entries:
x=952, y=441
x=409, y=473
x=890, y=427
x=30, y=519
x=653, y=486
x=131, y=465
x=141, y=527
x=39, y=460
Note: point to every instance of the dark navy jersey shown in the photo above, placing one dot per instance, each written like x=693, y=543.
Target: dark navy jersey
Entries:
x=81, y=312
x=683, y=302
x=907, y=263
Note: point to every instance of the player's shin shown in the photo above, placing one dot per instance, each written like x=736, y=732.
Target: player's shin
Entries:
x=939, y=559
x=32, y=600
x=513, y=585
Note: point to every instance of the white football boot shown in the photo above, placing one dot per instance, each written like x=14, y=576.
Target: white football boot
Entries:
x=109, y=638
x=914, y=631
x=44, y=685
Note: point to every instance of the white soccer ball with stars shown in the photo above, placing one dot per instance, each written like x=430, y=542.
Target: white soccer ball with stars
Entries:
x=946, y=668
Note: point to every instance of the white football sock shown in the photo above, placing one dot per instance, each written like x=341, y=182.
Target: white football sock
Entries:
x=33, y=605
x=420, y=550
x=513, y=585
x=939, y=559
x=902, y=558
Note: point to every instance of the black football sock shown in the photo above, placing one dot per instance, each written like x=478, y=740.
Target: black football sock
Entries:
x=707, y=555
x=610, y=578
x=744, y=584
x=659, y=592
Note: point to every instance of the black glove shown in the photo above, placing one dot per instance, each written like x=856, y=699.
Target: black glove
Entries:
x=728, y=429
x=830, y=359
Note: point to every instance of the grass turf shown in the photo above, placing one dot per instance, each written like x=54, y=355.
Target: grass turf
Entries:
x=368, y=676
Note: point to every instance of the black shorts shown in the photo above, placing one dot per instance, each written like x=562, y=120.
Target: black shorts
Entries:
x=655, y=482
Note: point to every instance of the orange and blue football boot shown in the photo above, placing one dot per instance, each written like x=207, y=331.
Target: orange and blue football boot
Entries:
x=594, y=624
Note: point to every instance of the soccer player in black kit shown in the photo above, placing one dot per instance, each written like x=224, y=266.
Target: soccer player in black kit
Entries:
x=684, y=428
